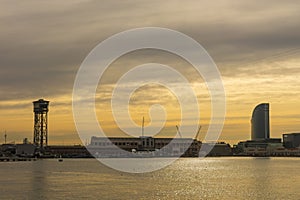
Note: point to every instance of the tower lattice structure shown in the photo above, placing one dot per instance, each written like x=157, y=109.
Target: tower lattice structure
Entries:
x=40, y=135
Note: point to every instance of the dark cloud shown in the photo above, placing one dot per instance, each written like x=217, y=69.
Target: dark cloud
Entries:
x=44, y=43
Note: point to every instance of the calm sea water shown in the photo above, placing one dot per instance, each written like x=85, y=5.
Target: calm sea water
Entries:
x=187, y=178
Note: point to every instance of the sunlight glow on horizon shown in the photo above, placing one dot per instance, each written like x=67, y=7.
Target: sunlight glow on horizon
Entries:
x=254, y=44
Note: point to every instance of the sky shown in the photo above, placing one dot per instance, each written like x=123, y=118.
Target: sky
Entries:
x=255, y=45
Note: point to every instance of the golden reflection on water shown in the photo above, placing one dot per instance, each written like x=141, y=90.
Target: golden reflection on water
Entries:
x=187, y=178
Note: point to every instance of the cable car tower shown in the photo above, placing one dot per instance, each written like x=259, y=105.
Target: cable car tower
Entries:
x=40, y=135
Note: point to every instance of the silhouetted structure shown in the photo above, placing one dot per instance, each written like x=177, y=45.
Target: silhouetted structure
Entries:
x=260, y=125
x=71, y=151
x=291, y=140
x=147, y=146
x=40, y=136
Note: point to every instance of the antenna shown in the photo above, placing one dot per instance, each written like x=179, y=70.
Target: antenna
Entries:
x=143, y=125
x=5, y=136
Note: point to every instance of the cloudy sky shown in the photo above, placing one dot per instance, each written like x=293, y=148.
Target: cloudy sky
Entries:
x=255, y=44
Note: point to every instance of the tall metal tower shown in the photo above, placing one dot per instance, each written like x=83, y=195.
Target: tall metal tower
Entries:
x=40, y=135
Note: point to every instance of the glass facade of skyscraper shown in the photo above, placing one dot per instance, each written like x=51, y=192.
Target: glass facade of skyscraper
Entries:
x=260, y=125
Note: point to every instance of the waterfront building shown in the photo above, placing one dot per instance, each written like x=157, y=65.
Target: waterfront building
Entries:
x=268, y=147
x=291, y=140
x=260, y=125
x=217, y=149
x=25, y=150
x=70, y=151
x=150, y=146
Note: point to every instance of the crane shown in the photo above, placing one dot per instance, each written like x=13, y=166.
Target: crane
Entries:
x=197, y=135
x=178, y=131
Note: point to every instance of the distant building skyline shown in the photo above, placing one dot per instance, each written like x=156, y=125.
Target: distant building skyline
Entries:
x=260, y=122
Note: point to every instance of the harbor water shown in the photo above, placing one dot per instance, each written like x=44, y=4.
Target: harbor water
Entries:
x=187, y=178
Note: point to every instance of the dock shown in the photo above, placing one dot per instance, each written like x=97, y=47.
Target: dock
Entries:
x=15, y=159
